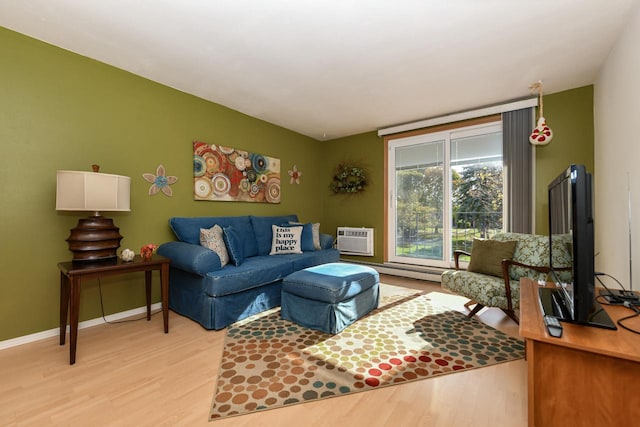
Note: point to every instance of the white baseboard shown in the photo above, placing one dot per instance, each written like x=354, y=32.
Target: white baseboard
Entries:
x=412, y=274
x=82, y=325
x=431, y=274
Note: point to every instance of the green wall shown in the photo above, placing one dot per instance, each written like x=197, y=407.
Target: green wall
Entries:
x=570, y=116
x=364, y=209
x=569, y=113
x=59, y=110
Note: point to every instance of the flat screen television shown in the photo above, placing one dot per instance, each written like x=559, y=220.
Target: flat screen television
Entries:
x=571, y=242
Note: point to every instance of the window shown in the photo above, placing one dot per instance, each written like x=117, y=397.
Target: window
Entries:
x=445, y=188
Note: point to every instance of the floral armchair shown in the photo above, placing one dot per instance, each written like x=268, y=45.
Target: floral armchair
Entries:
x=530, y=259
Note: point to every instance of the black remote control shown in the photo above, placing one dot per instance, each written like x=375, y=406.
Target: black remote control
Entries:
x=553, y=326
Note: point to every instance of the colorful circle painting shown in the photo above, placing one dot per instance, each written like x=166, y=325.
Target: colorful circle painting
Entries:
x=234, y=175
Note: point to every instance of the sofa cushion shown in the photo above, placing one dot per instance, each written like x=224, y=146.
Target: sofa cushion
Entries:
x=212, y=238
x=254, y=272
x=311, y=258
x=306, y=240
x=234, y=245
x=262, y=230
x=188, y=230
x=326, y=241
x=286, y=240
x=487, y=256
x=315, y=234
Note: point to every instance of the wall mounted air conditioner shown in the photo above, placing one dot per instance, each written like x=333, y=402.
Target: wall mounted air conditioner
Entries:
x=355, y=241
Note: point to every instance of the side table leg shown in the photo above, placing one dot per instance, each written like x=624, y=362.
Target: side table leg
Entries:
x=75, y=313
x=164, y=286
x=64, y=306
x=147, y=283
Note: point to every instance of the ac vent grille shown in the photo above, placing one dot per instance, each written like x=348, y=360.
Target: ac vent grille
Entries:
x=355, y=241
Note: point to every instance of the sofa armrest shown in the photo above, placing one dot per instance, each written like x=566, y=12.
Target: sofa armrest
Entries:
x=194, y=259
x=326, y=241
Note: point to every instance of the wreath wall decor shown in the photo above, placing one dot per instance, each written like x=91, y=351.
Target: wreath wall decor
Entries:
x=348, y=179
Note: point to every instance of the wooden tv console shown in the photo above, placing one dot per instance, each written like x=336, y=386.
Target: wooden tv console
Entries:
x=588, y=377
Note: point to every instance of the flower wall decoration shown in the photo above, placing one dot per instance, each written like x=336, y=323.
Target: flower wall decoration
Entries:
x=160, y=182
x=295, y=175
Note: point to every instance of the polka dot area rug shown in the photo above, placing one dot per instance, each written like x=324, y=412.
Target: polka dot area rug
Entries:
x=269, y=362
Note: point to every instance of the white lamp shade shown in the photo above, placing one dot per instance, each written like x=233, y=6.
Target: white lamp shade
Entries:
x=92, y=191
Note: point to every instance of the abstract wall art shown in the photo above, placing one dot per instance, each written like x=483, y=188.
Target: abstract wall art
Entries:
x=228, y=174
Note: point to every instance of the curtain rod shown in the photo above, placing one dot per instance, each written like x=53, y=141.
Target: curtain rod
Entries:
x=455, y=117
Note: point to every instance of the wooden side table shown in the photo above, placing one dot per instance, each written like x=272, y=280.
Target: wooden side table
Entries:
x=73, y=273
x=589, y=377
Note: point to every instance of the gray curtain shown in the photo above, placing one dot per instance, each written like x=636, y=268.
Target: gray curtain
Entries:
x=518, y=165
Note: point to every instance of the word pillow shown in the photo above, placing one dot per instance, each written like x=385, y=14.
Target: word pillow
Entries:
x=286, y=240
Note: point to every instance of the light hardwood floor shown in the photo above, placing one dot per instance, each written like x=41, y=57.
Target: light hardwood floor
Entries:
x=132, y=374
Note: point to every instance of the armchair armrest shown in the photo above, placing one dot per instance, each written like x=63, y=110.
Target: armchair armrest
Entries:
x=456, y=257
x=506, y=264
x=195, y=259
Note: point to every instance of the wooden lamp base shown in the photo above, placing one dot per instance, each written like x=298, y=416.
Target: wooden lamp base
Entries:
x=94, y=238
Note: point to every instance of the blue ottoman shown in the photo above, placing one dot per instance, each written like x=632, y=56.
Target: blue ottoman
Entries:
x=330, y=297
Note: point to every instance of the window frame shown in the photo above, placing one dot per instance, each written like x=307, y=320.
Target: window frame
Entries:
x=459, y=129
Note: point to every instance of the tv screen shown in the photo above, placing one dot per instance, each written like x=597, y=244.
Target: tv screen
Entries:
x=571, y=245
x=571, y=241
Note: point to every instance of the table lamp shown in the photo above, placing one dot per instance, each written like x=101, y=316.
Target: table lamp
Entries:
x=96, y=237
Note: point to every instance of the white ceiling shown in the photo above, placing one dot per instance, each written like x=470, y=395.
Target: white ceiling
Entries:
x=331, y=68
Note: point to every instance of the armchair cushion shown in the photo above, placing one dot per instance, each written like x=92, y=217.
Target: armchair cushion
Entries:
x=533, y=250
x=484, y=289
x=487, y=256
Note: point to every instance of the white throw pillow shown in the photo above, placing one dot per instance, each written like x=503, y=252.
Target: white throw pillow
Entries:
x=286, y=240
x=212, y=238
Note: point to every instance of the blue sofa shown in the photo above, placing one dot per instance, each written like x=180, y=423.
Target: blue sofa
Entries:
x=216, y=296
